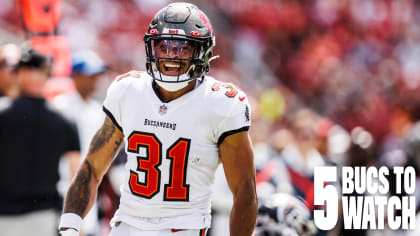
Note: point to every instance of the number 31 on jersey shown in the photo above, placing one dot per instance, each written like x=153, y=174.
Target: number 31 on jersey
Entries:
x=177, y=153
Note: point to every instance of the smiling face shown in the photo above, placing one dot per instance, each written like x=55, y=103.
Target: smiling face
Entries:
x=169, y=52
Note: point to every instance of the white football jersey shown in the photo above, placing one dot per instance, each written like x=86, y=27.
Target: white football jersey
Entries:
x=172, y=149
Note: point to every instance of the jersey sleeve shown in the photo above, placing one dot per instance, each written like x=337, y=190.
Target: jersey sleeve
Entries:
x=238, y=118
x=112, y=102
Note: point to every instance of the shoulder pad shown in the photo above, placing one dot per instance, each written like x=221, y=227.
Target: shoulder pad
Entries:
x=229, y=90
x=121, y=83
x=228, y=101
x=133, y=73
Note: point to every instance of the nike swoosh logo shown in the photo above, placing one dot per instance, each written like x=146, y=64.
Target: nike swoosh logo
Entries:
x=241, y=98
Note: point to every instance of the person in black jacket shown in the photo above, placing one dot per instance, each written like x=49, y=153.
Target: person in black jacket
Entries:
x=33, y=136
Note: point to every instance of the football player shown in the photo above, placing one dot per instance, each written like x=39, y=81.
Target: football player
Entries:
x=177, y=124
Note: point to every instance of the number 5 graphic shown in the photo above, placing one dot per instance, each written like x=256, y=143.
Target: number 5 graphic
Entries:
x=325, y=194
x=177, y=189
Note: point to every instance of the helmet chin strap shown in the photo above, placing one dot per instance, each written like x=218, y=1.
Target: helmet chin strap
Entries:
x=172, y=87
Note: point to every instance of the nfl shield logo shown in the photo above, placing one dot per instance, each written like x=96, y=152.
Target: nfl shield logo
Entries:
x=162, y=109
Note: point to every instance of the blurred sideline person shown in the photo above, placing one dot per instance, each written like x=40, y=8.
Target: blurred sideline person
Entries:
x=178, y=125
x=86, y=113
x=304, y=152
x=9, y=56
x=33, y=136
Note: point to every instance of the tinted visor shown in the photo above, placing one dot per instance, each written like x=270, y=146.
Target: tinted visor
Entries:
x=174, y=48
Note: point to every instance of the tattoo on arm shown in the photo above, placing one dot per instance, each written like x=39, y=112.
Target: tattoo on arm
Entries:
x=118, y=145
x=79, y=192
x=102, y=136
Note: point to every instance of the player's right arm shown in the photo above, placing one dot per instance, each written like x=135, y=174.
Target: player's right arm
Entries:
x=83, y=190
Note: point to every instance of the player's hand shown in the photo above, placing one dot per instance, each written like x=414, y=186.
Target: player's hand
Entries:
x=69, y=232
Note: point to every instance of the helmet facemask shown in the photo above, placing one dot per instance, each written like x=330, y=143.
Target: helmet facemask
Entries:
x=177, y=58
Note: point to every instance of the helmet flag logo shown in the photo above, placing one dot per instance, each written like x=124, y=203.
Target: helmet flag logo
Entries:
x=195, y=33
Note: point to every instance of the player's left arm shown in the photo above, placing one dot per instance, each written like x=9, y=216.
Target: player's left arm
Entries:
x=238, y=162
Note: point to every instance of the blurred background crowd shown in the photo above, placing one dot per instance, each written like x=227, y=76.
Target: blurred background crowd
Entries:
x=331, y=82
